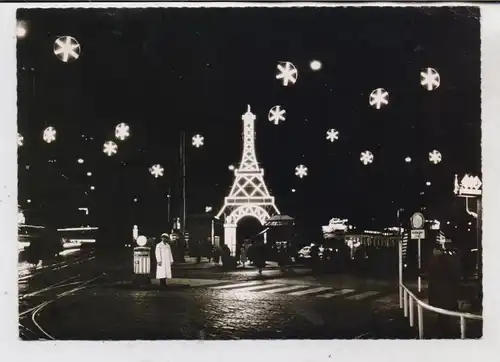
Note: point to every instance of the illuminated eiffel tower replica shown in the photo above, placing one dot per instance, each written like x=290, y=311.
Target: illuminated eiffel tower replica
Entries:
x=249, y=195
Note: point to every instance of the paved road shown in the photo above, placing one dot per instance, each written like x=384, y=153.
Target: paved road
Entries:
x=91, y=297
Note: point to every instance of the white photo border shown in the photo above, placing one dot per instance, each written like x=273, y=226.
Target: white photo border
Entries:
x=387, y=350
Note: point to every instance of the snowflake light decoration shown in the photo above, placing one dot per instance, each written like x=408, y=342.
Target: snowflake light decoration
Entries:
x=122, y=131
x=287, y=72
x=430, y=79
x=301, y=171
x=332, y=135
x=110, y=148
x=197, y=140
x=49, y=134
x=379, y=97
x=276, y=114
x=366, y=157
x=435, y=157
x=20, y=140
x=67, y=49
x=156, y=170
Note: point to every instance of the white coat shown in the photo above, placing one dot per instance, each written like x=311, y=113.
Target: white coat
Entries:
x=164, y=260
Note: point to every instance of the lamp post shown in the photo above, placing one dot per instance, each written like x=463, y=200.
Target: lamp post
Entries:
x=470, y=187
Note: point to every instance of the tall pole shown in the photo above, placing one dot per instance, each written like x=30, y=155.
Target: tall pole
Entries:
x=419, y=265
x=479, y=241
x=400, y=260
x=183, y=170
x=168, y=208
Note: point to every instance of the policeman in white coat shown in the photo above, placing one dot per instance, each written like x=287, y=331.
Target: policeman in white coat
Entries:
x=164, y=260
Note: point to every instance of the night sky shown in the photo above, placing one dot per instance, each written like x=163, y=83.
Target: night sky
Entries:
x=166, y=70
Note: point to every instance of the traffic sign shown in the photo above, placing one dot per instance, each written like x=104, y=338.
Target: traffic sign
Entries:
x=417, y=234
x=417, y=221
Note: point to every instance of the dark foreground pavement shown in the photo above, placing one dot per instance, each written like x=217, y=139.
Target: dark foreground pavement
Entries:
x=94, y=299
x=123, y=312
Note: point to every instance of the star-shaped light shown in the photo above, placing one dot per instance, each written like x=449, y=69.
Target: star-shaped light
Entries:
x=379, y=97
x=66, y=48
x=301, y=171
x=332, y=135
x=20, y=140
x=430, y=79
x=287, y=72
x=366, y=157
x=49, y=134
x=156, y=170
x=197, y=140
x=435, y=157
x=276, y=115
x=122, y=131
x=110, y=148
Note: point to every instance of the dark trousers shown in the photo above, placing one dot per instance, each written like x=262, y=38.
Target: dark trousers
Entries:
x=163, y=281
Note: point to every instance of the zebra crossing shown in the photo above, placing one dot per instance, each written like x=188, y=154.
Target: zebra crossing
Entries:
x=297, y=290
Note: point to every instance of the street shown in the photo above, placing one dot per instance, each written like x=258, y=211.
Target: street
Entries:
x=92, y=298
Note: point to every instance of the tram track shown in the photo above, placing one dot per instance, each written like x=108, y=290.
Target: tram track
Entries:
x=33, y=312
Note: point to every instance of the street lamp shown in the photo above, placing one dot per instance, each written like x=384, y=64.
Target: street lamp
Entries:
x=315, y=65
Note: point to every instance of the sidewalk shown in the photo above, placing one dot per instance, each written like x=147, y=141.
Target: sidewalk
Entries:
x=190, y=263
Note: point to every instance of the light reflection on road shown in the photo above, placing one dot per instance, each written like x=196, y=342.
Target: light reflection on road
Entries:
x=27, y=269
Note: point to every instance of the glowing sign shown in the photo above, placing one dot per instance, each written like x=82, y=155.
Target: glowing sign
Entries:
x=141, y=240
x=469, y=186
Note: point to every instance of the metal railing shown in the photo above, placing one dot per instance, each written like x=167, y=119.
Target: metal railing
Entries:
x=408, y=301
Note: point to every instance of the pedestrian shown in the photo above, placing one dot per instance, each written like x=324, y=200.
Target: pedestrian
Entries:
x=444, y=288
x=315, y=258
x=164, y=260
x=260, y=256
x=243, y=254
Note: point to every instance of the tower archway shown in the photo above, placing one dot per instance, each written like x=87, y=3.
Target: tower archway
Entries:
x=230, y=225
